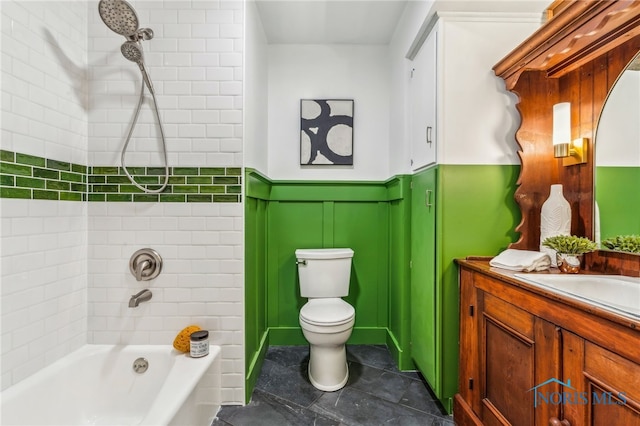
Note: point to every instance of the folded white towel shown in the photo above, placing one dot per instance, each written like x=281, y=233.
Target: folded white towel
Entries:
x=521, y=260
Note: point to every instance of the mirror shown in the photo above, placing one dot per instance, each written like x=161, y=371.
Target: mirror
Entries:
x=617, y=160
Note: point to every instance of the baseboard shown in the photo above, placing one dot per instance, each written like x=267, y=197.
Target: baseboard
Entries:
x=400, y=356
x=255, y=367
x=283, y=336
x=368, y=336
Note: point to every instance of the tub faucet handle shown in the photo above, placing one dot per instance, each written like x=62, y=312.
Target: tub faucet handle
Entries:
x=145, y=264
x=141, y=266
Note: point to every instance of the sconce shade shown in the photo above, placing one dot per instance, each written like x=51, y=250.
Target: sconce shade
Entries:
x=561, y=129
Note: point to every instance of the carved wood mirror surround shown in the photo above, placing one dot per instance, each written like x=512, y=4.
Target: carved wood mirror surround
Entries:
x=575, y=57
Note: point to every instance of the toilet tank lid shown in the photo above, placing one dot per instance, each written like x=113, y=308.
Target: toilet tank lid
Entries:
x=324, y=253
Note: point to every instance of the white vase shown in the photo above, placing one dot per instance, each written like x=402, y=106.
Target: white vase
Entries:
x=555, y=219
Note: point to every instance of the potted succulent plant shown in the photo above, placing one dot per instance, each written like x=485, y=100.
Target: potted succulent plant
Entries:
x=628, y=243
x=569, y=250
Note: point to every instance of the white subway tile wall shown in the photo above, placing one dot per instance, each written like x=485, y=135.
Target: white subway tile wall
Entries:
x=44, y=85
x=69, y=94
x=200, y=283
x=43, y=242
x=195, y=63
x=44, y=284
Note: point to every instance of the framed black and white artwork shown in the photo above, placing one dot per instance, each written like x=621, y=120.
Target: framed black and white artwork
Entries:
x=326, y=131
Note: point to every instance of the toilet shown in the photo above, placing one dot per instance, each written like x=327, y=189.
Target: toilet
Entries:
x=326, y=320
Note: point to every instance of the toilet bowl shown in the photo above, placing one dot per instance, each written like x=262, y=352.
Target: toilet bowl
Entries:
x=326, y=320
x=327, y=325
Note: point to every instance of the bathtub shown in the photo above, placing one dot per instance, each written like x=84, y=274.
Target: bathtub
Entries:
x=96, y=385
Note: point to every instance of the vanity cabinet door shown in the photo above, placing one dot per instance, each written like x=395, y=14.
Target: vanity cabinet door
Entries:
x=518, y=353
x=605, y=387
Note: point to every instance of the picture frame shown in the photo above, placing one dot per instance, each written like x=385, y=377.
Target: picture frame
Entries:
x=326, y=131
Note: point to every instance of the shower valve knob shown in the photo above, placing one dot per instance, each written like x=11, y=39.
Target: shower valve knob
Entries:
x=145, y=264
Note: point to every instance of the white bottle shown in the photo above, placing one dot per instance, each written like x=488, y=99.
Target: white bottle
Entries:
x=555, y=219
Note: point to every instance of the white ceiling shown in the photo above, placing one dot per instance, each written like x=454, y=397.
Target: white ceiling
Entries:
x=360, y=21
x=330, y=21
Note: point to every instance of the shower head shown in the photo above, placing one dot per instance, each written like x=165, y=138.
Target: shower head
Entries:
x=132, y=50
x=119, y=16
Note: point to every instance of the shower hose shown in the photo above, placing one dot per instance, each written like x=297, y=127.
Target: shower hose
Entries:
x=164, y=144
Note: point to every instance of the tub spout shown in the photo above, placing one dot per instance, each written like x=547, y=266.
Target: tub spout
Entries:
x=141, y=296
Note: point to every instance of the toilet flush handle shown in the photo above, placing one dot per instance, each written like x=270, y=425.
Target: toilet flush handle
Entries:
x=301, y=262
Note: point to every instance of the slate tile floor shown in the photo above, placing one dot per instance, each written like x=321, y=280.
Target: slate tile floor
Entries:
x=376, y=394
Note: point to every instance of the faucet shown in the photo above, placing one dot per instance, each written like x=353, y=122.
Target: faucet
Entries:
x=141, y=296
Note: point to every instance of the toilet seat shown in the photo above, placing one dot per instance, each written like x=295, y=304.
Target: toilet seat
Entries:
x=327, y=312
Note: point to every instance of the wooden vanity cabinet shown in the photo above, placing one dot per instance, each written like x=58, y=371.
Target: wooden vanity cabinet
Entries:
x=608, y=375
x=519, y=347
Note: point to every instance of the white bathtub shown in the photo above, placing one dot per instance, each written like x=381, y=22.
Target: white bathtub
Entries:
x=96, y=385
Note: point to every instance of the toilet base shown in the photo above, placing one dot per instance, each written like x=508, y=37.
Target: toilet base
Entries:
x=328, y=368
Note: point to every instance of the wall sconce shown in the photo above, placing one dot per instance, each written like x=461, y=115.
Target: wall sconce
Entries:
x=571, y=151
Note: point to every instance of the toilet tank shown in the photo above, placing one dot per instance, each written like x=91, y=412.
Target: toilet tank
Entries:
x=324, y=272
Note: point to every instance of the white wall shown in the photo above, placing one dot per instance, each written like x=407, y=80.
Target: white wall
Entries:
x=196, y=63
x=359, y=72
x=477, y=116
x=43, y=248
x=407, y=29
x=255, y=86
x=618, y=137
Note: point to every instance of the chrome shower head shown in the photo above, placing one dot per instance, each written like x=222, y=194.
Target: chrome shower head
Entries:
x=119, y=16
x=132, y=51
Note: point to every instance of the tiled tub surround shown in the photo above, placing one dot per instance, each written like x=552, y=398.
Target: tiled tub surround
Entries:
x=201, y=281
x=32, y=177
x=43, y=242
x=68, y=95
x=195, y=61
x=44, y=284
x=52, y=249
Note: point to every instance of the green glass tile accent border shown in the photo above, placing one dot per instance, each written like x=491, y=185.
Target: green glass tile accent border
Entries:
x=186, y=184
x=31, y=177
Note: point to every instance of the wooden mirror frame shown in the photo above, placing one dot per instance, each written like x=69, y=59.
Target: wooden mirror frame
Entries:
x=576, y=56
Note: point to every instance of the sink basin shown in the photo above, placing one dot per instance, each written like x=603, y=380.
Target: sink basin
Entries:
x=615, y=292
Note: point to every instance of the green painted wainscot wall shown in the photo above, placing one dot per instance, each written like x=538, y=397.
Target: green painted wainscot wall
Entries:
x=476, y=216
